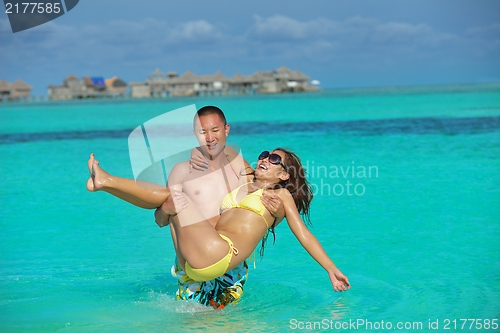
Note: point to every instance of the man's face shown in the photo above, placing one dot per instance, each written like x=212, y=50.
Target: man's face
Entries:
x=211, y=134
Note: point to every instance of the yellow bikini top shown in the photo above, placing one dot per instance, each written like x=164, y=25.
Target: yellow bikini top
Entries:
x=250, y=202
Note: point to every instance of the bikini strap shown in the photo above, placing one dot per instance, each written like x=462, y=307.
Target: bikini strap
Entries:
x=230, y=243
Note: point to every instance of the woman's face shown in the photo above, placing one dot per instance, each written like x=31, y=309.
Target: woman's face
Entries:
x=271, y=171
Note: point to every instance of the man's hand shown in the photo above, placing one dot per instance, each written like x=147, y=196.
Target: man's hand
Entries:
x=162, y=213
x=180, y=201
x=274, y=205
x=175, y=203
x=161, y=218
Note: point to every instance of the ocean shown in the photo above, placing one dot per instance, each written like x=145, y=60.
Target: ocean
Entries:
x=407, y=193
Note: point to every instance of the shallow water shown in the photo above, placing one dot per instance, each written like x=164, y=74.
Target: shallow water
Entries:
x=418, y=236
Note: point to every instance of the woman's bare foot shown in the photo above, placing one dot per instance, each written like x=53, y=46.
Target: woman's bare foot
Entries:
x=98, y=176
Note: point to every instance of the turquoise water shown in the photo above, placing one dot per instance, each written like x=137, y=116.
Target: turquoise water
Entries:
x=415, y=227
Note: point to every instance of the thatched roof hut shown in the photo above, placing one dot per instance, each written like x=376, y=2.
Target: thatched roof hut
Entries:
x=187, y=78
x=189, y=84
x=299, y=76
x=20, y=85
x=219, y=77
x=88, y=82
x=237, y=78
x=245, y=80
x=18, y=89
x=115, y=82
x=71, y=78
x=4, y=86
x=258, y=76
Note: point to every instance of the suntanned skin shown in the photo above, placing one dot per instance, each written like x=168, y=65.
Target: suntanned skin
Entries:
x=206, y=188
x=199, y=243
x=193, y=228
x=202, y=246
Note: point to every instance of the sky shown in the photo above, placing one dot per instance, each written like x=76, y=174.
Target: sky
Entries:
x=343, y=44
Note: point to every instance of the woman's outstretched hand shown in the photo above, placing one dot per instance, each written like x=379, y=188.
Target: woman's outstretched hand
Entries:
x=340, y=282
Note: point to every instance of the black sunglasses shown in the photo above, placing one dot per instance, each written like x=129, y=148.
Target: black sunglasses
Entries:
x=273, y=158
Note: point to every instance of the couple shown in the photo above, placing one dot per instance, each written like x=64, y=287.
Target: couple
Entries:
x=206, y=252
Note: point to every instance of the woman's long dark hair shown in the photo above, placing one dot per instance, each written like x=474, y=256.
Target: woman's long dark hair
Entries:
x=298, y=186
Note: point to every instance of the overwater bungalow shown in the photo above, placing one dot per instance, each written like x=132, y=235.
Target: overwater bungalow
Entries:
x=4, y=90
x=243, y=84
x=159, y=84
x=189, y=84
x=116, y=87
x=88, y=87
x=284, y=80
x=15, y=91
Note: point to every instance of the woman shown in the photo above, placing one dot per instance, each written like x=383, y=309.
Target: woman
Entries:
x=208, y=252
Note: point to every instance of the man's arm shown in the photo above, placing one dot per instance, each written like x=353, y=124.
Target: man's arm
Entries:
x=236, y=160
x=175, y=180
x=240, y=166
x=274, y=205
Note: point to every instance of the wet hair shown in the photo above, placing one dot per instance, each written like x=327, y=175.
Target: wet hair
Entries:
x=298, y=186
x=209, y=109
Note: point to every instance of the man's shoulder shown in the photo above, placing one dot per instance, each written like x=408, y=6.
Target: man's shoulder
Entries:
x=181, y=166
x=179, y=172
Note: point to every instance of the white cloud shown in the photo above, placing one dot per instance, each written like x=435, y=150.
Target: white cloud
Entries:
x=491, y=31
x=395, y=32
x=353, y=40
x=114, y=41
x=275, y=36
x=280, y=27
x=152, y=33
x=195, y=31
x=488, y=36
x=351, y=31
x=148, y=31
x=275, y=40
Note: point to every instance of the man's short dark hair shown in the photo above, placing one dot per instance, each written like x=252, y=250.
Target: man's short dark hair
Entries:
x=208, y=110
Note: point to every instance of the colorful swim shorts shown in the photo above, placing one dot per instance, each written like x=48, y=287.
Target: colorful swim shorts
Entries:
x=217, y=293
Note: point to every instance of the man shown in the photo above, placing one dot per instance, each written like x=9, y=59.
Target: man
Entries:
x=206, y=190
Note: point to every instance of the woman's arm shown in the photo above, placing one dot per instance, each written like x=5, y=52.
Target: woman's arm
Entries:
x=339, y=281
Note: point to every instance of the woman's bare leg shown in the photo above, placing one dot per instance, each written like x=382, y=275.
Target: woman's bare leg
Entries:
x=138, y=193
x=180, y=258
x=197, y=241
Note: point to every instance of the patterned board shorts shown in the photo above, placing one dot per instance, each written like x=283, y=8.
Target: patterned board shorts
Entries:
x=217, y=293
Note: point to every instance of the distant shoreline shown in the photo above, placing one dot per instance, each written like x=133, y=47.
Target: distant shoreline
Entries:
x=334, y=92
